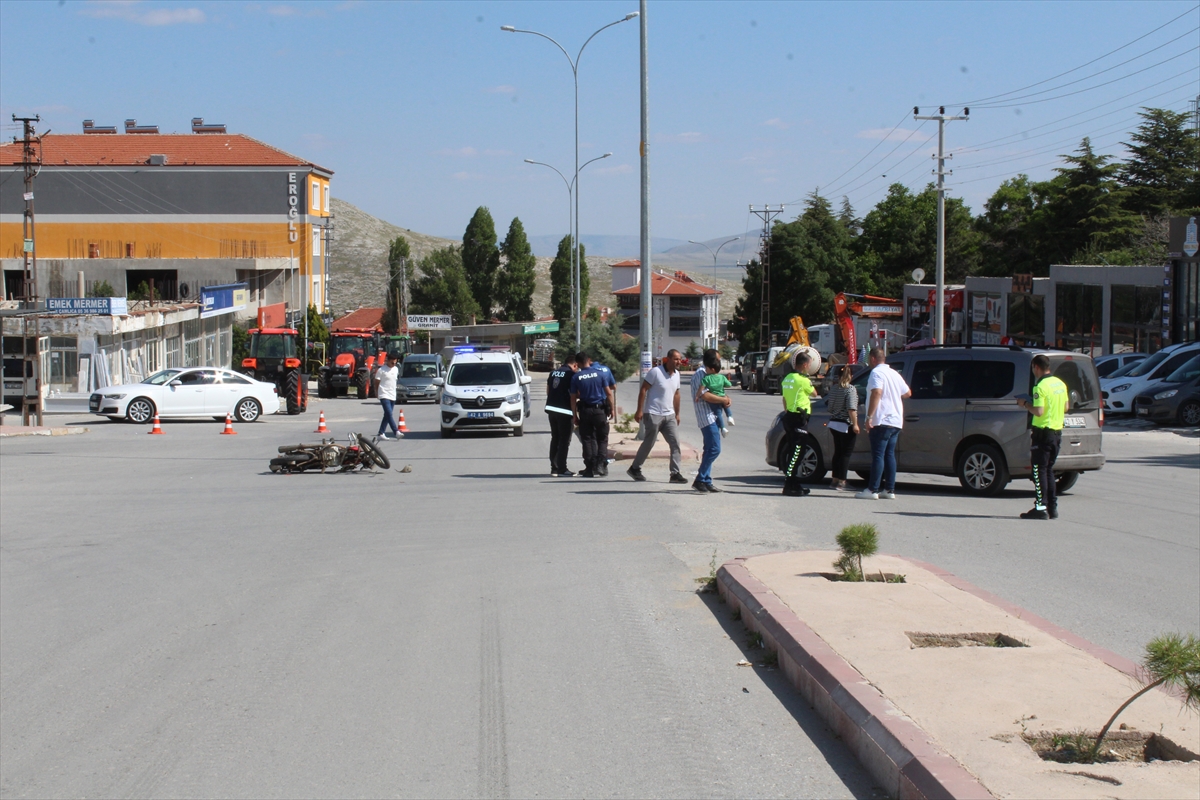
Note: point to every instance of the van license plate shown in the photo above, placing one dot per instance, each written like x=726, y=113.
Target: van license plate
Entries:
x=480, y=414
x=1074, y=422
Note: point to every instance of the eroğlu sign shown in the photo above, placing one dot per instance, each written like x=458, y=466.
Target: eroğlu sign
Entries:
x=100, y=306
x=293, y=208
x=428, y=322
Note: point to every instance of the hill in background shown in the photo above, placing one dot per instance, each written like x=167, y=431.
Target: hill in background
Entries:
x=358, y=262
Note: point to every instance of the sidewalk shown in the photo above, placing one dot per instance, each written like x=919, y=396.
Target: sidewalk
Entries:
x=624, y=446
x=39, y=430
x=948, y=721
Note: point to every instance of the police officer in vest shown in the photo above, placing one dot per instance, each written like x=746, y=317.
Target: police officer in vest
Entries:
x=1048, y=406
x=797, y=391
x=558, y=410
x=590, y=399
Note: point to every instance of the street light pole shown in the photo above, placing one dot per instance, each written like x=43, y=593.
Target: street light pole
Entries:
x=939, y=336
x=574, y=62
x=714, y=255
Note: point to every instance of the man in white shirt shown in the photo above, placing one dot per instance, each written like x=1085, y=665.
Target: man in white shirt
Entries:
x=886, y=391
x=658, y=411
x=385, y=389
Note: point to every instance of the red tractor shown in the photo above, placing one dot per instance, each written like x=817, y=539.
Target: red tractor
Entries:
x=352, y=356
x=273, y=359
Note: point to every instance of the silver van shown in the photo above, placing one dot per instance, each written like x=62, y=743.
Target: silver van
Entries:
x=416, y=377
x=963, y=419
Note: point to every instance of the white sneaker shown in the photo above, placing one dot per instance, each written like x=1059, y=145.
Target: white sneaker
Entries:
x=730, y=420
x=886, y=495
x=867, y=494
x=724, y=432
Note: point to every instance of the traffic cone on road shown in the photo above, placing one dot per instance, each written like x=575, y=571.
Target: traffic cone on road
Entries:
x=229, y=431
x=401, y=426
x=157, y=425
x=321, y=425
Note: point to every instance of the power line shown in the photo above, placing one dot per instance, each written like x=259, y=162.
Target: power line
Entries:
x=868, y=153
x=980, y=101
x=880, y=161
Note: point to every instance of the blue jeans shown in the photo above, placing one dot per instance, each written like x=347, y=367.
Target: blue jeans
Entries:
x=712, y=449
x=883, y=457
x=389, y=417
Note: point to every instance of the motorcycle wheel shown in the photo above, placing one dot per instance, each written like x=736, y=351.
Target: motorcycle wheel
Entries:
x=373, y=454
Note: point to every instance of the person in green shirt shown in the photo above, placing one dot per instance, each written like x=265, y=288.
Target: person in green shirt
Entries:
x=1048, y=407
x=716, y=383
x=797, y=391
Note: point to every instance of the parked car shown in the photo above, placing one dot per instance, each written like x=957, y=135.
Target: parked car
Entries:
x=1119, y=392
x=751, y=371
x=963, y=419
x=482, y=391
x=196, y=392
x=416, y=377
x=1174, y=400
x=1107, y=365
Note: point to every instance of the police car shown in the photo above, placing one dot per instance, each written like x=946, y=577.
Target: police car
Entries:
x=482, y=391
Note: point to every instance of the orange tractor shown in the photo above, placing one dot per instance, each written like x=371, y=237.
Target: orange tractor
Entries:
x=353, y=356
x=273, y=359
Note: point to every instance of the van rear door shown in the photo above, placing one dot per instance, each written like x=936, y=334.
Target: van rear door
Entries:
x=1081, y=427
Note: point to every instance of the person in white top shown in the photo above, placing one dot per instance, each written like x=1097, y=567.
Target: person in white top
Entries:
x=385, y=389
x=658, y=410
x=886, y=391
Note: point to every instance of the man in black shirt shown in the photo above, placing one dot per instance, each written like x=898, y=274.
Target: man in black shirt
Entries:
x=558, y=409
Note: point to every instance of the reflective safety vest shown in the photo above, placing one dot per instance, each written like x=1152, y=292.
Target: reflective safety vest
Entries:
x=797, y=392
x=1050, y=394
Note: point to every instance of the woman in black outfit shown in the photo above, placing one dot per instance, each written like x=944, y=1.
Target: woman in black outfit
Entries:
x=842, y=403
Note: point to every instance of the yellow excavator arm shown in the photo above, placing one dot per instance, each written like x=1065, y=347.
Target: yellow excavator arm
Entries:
x=799, y=332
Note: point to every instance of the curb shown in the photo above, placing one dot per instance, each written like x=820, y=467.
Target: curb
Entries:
x=894, y=750
x=21, y=430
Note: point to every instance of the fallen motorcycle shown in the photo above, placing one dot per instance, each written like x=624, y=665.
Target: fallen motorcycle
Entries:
x=359, y=453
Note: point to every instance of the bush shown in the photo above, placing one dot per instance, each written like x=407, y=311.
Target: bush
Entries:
x=856, y=542
x=102, y=289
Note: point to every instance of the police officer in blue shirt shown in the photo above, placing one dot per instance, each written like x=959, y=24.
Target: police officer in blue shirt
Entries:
x=558, y=410
x=609, y=407
x=591, y=398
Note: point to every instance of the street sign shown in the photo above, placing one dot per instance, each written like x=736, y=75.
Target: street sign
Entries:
x=1190, y=243
x=224, y=299
x=540, y=327
x=1022, y=283
x=428, y=322
x=99, y=306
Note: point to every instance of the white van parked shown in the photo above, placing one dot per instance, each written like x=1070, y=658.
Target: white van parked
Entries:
x=483, y=391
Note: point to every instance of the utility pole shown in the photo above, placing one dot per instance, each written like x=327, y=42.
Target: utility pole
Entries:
x=939, y=336
x=766, y=214
x=647, y=297
x=31, y=363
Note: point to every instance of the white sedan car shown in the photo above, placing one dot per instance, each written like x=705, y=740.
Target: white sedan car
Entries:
x=195, y=392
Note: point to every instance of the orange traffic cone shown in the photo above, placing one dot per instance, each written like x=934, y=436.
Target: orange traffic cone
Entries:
x=321, y=425
x=229, y=431
x=402, y=427
x=157, y=426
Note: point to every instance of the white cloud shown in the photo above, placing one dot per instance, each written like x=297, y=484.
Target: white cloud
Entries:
x=137, y=12
x=776, y=122
x=616, y=169
x=887, y=134
x=503, y=89
x=497, y=153
x=461, y=152
x=690, y=137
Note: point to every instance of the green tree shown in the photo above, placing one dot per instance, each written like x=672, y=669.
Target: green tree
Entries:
x=442, y=288
x=692, y=350
x=746, y=314
x=605, y=342
x=1084, y=216
x=480, y=259
x=398, y=254
x=101, y=289
x=515, y=282
x=561, y=280
x=317, y=334
x=1012, y=227
x=1162, y=174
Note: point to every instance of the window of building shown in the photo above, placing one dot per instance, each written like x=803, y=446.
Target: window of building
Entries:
x=685, y=325
x=192, y=335
x=1186, y=306
x=64, y=363
x=327, y=198
x=1027, y=319
x=1136, y=319
x=685, y=303
x=984, y=317
x=1079, y=321
x=316, y=196
x=174, y=352
x=316, y=236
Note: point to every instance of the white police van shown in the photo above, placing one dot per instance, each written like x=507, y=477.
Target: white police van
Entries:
x=482, y=391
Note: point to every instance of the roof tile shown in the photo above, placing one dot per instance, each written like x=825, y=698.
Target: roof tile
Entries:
x=181, y=149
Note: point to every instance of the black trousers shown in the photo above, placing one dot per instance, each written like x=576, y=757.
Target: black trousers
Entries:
x=795, y=424
x=593, y=432
x=560, y=440
x=1043, y=452
x=843, y=446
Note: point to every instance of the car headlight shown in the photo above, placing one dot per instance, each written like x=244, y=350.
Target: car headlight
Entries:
x=113, y=396
x=449, y=399
x=1166, y=394
x=513, y=398
x=1120, y=388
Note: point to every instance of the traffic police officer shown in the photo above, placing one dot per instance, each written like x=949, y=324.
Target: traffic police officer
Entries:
x=797, y=391
x=590, y=398
x=1049, y=407
x=558, y=409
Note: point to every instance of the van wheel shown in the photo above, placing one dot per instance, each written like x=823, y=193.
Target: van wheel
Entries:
x=1189, y=413
x=1065, y=481
x=519, y=430
x=982, y=471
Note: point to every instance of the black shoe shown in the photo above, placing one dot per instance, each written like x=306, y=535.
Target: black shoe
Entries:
x=677, y=478
x=1035, y=513
x=602, y=470
x=566, y=473
x=635, y=473
x=1052, y=513
x=793, y=491
x=701, y=487
x=587, y=473
x=712, y=488
x=805, y=490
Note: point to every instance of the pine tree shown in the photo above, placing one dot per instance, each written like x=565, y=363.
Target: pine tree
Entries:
x=1083, y=214
x=515, y=282
x=398, y=254
x=1163, y=171
x=442, y=288
x=560, y=283
x=481, y=259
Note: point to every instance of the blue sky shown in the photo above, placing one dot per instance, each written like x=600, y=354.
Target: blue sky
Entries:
x=426, y=110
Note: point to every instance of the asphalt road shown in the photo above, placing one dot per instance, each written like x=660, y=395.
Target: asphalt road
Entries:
x=177, y=621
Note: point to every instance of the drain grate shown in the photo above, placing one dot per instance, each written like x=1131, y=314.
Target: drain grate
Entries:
x=963, y=640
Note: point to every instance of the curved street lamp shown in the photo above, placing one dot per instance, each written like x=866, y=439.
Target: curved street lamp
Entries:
x=570, y=192
x=714, y=255
x=574, y=62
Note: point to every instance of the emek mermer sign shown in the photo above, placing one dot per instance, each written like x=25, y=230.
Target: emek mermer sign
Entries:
x=100, y=306
x=428, y=322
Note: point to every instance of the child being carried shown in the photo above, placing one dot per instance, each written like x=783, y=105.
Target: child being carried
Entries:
x=716, y=383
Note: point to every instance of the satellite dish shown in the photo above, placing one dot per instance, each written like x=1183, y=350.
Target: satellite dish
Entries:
x=918, y=274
